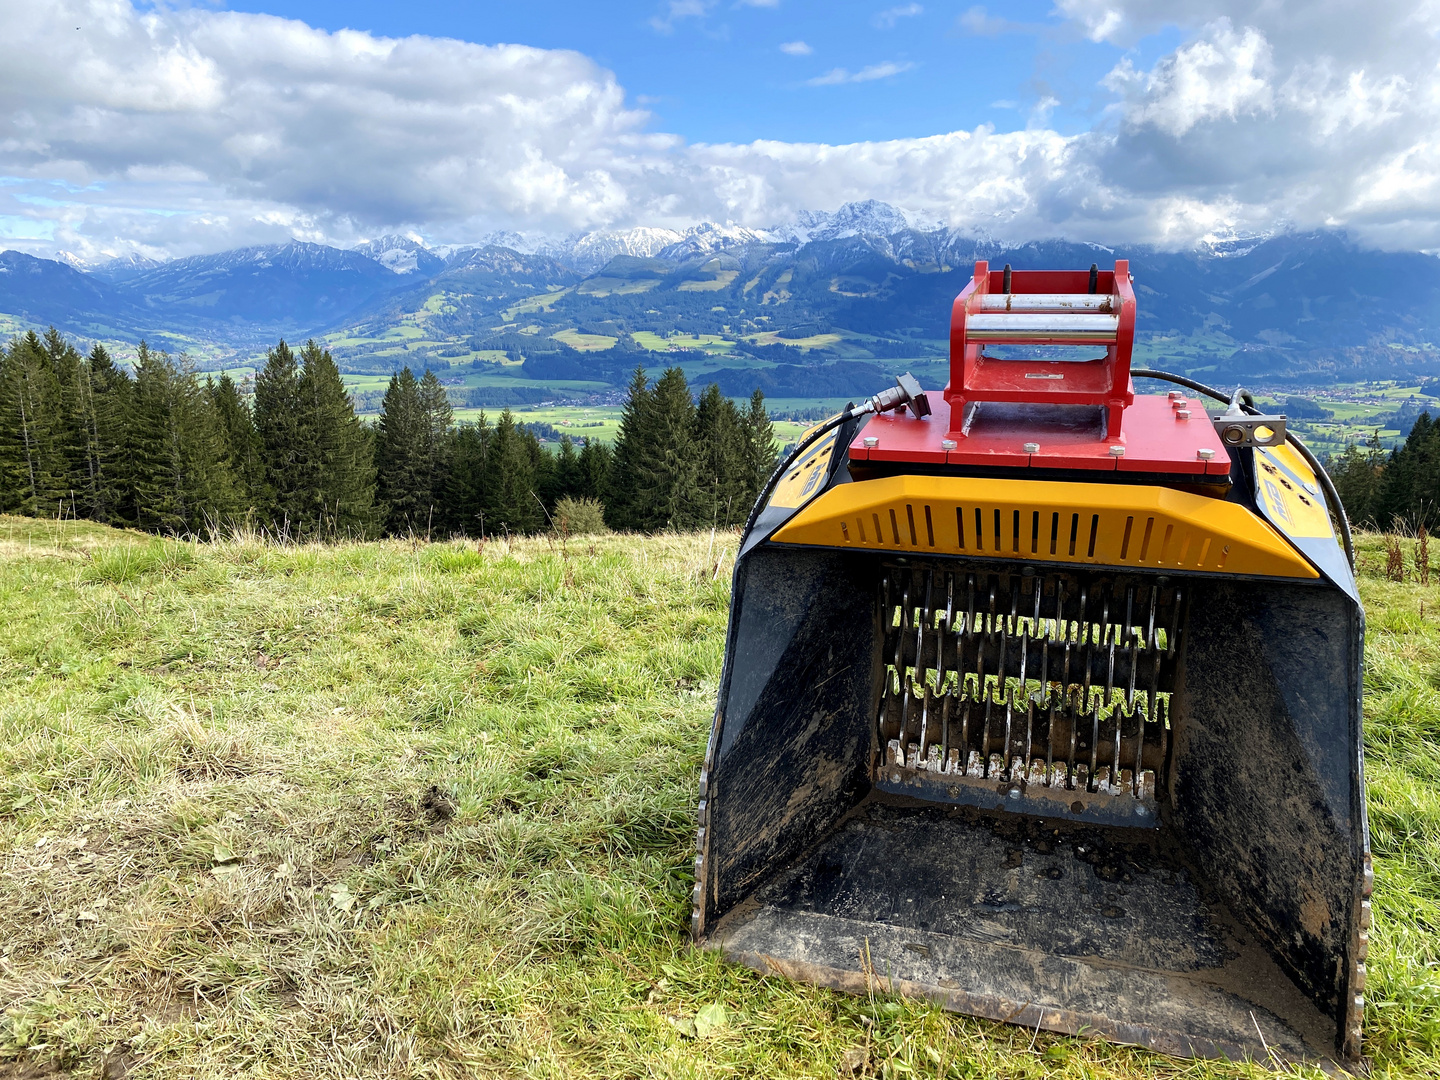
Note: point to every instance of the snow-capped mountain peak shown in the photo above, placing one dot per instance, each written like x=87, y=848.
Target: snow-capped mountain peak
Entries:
x=710, y=238
x=401, y=254
x=868, y=219
x=594, y=249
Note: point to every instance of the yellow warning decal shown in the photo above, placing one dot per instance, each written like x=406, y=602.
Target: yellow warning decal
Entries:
x=1290, y=493
x=1123, y=525
x=807, y=476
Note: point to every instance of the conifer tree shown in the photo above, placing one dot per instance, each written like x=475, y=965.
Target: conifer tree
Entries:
x=34, y=474
x=1409, y=491
x=337, y=469
x=542, y=465
x=719, y=443
x=241, y=446
x=402, y=458
x=511, y=500
x=761, y=453
x=565, y=478
x=181, y=482
x=282, y=442
x=68, y=408
x=626, y=495
x=595, y=460
x=672, y=468
x=105, y=413
x=465, y=490
x=1359, y=475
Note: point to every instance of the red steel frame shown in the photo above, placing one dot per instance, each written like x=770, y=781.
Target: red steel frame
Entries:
x=1105, y=381
x=1165, y=435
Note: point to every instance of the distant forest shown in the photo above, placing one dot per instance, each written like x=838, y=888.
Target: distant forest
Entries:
x=1398, y=490
x=164, y=450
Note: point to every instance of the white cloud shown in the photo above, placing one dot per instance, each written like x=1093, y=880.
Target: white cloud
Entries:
x=978, y=21
x=796, y=48
x=836, y=76
x=1041, y=110
x=675, y=10
x=1224, y=75
x=890, y=16
x=174, y=130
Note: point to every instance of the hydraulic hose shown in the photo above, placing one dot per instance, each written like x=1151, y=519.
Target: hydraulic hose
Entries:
x=1248, y=404
x=906, y=393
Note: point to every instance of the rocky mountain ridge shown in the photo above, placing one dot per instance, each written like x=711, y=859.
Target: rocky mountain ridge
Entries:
x=863, y=282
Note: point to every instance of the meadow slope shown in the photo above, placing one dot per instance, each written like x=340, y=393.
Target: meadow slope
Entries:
x=394, y=810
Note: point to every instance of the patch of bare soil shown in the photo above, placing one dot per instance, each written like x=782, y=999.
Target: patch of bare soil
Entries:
x=30, y=1070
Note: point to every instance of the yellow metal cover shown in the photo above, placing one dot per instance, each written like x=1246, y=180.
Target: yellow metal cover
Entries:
x=1124, y=525
x=1291, y=493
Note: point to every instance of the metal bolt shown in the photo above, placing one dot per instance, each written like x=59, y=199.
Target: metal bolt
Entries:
x=947, y=444
x=1179, y=402
x=1205, y=454
x=1117, y=451
x=1182, y=414
x=1032, y=448
x=1174, y=394
x=871, y=442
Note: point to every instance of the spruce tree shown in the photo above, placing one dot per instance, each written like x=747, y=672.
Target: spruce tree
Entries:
x=107, y=411
x=565, y=478
x=719, y=442
x=1359, y=475
x=241, y=445
x=542, y=465
x=1409, y=490
x=626, y=495
x=595, y=460
x=761, y=453
x=672, y=467
x=401, y=456
x=337, y=471
x=181, y=481
x=435, y=408
x=511, y=500
x=34, y=471
x=67, y=375
x=465, y=489
x=282, y=440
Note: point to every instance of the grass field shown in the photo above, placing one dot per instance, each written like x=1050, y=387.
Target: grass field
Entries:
x=407, y=810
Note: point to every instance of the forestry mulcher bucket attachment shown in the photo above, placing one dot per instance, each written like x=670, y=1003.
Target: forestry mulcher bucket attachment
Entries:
x=1041, y=699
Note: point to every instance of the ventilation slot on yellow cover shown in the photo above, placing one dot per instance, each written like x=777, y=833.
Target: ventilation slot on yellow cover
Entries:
x=1160, y=529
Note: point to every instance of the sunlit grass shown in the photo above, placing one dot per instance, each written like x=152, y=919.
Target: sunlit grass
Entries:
x=408, y=810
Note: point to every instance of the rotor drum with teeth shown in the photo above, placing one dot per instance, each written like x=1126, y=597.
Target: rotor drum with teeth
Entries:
x=1046, y=694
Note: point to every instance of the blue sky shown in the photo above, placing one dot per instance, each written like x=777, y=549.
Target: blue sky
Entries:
x=723, y=76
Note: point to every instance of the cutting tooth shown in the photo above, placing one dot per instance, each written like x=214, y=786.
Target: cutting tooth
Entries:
x=970, y=690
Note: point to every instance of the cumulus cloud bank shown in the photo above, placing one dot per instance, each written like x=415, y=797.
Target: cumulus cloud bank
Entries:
x=174, y=131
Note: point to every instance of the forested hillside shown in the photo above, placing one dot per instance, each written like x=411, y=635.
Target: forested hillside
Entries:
x=169, y=450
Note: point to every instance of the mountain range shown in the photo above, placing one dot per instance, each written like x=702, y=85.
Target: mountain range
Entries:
x=862, y=287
